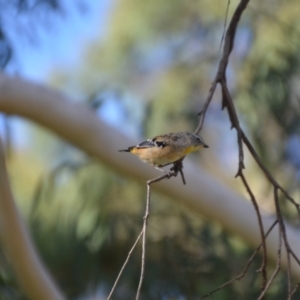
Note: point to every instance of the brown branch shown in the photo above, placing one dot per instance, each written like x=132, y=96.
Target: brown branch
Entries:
x=225, y=24
x=242, y=138
x=289, y=252
x=227, y=102
x=295, y=256
x=228, y=45
x=277, y=269
x=144, y=231
x=124, y=265
x=173, y=173
x=235, y=123
x=202, y=113
x=285, y=240
x=267, y=172
x=295, y=289
x=177, y=167
x=261, y=228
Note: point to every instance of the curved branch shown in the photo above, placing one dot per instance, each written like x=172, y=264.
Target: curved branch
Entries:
x=32, y=275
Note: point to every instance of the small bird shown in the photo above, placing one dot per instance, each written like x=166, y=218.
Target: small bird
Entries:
x=168, y=148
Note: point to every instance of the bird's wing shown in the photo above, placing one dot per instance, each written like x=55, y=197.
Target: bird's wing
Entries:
x=158, y=141
x=150, y=143
x=146, y=144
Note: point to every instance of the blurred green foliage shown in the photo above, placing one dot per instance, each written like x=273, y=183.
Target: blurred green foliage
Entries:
x=268, y=90
x=84, y=218
x=98, y=216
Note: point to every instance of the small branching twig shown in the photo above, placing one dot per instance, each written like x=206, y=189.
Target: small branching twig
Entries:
x=277, y=269
x=144, y=239
x=262, y=269
x=285, y=240
x=228, y=103
x=225, y=24
x=295, y=289
x=228, y=45
x=177, y=168
x=240, y=276
x=267, y=173
x=124, y=265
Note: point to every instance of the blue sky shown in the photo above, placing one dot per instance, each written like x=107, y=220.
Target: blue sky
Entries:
x=44, y=40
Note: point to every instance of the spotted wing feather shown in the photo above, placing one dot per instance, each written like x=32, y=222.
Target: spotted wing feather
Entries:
x=151, y=143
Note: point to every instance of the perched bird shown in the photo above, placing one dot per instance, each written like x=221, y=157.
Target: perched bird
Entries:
x=168, y=148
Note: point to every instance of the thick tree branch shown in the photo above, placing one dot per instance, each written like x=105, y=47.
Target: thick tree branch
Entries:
x=32, y=275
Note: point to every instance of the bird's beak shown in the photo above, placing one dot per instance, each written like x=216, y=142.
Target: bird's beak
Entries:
x=205, y=146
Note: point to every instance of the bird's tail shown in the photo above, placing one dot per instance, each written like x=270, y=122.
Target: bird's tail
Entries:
x=126, y=150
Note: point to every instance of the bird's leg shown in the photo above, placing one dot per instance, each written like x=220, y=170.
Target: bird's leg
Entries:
x=177, y=167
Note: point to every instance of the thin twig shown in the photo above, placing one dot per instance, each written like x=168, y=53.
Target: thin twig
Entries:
x=225, y=24
x=235, y=123
x=202, y=113
x=240, y=276
x=227, y=102
x=144, y=240
x=267, y=172
x=124, y=265
x=285, y=240
x=261, y=228
x=295, y=256
x=173, y=173
x=295, y=289
x=228, y=45
x=277, y=269
x=177, y=167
